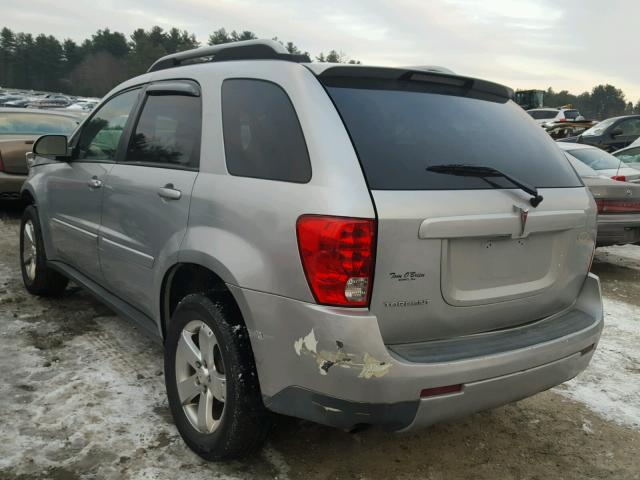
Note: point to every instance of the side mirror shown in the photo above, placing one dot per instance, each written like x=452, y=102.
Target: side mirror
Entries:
x=616, y=132
x=51, y=145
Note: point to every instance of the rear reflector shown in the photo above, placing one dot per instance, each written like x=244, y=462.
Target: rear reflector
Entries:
x=619, y=178
x=337, y=256
x=618, y=206
x=435, y=391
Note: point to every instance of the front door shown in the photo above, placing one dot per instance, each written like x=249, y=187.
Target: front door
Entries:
x=627, y=131
x=74, y=188
x=147, y=193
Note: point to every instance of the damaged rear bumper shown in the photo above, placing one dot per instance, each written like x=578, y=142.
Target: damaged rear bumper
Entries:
x=331, y=366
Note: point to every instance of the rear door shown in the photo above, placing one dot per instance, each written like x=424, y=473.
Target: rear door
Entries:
x=147, y=193
x=457, y=254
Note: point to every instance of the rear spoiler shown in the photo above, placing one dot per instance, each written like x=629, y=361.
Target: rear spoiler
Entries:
x=414, y=74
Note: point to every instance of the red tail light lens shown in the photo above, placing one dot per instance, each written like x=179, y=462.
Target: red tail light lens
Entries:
x=435, y=391
x=337, y=256
x=618, y=206
x=620, y=178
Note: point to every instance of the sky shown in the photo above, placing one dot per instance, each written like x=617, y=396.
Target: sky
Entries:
x=565, y=44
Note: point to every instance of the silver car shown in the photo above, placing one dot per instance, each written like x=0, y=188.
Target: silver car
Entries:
x=350, y=245
x=618, y=206
x=603, y=162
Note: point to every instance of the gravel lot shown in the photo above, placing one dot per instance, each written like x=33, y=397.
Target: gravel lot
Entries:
x=82, y=396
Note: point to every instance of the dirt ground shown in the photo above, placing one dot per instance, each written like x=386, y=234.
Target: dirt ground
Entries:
x=82, y=397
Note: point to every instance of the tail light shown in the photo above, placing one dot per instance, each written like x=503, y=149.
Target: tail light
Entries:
x=618, y=206
x=337, y=256
x=619, y=178
x=1, y=164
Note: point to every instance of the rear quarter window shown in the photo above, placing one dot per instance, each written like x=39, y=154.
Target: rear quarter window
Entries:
x=262, y=134
x=400, y=131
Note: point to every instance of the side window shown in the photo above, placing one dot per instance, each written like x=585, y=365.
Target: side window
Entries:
x=167, y=132
x=100, y=136
x=262, y=134
x=629, y=127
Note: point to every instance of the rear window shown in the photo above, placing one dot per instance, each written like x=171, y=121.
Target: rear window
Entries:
x=542, y=114
x=36, y=124
x=399, y=132
x=581, y=168
x=596, y=158
x=571, y=114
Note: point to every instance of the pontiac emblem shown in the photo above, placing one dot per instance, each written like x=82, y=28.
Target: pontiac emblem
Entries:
x=524, y=214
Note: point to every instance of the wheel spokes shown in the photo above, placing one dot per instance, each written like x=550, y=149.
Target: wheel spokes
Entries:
x=31, y=269
x=207, y=343
x=205, y=411
x=28, y=230
x=188, y=389
x=188, y=351
x=218, y=386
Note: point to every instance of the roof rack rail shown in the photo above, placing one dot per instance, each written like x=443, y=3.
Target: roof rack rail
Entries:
x=244, y=50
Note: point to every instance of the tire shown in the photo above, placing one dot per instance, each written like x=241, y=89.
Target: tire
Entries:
x=37, y=277
x=238, y=425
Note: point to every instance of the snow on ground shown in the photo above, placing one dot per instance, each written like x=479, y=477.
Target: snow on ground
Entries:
x=610, y=386
x=632, y=252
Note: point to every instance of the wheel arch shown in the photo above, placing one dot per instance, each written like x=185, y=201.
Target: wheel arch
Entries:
x=27, y=197
x=184, y=278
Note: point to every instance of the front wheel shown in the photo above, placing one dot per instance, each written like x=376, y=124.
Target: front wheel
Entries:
x=211, y=380
x=37, y=277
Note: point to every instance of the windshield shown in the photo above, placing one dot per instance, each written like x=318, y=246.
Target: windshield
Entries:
x=596, y=158
x=398, y=133
x=542, y=114
x=598, y=128
x=36, y=124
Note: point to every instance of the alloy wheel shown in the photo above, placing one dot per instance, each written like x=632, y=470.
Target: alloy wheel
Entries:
x=200, y=376
x=29, y=250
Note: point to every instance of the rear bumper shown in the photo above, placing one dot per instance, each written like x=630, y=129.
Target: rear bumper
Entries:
x=330, y=365
x=10, y=185
x=618, y=229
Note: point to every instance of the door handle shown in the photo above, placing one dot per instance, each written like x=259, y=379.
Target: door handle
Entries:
x=94, y=183
x=168, y=192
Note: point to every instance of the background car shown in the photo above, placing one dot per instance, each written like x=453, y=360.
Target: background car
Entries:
x=19, y=129
x=618, y=206
x=9, y=98
x=611, y=134
x=543, y=116
x=604, y=163
x=630, y=156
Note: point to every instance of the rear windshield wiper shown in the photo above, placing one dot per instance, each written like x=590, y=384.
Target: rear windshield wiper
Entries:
x=485, y=172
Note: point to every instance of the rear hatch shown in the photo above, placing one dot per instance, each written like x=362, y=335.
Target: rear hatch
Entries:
x=458, y=254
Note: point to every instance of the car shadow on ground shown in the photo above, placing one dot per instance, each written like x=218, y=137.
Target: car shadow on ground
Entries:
x=11, y=209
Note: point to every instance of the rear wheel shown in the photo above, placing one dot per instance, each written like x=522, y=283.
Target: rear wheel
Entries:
x=211, y=380
x=37, y=277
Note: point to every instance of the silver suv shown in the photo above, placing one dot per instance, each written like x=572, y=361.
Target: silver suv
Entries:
x=350, y=245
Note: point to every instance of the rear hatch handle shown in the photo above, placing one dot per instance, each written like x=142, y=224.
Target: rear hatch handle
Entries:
x=485, y=173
